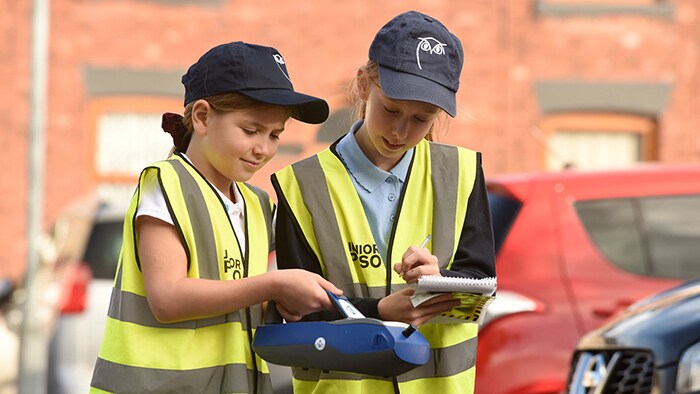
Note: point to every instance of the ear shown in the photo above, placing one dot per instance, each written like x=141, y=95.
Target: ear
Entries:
x=201, y=111
x=363, y=84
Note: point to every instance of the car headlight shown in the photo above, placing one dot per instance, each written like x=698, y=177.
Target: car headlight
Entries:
x=688, y=380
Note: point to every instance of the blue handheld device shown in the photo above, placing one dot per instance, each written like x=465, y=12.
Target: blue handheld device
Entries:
x=354, y=344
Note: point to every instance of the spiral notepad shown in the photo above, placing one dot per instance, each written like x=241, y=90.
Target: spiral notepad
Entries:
x=474, y=296
x=446, y=284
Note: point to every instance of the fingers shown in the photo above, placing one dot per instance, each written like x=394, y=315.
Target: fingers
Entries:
x=413, y=259
x=286, y=315
x=439, y=304
x=323, y=298
x=306, y=292
x=414, y=274
x=326, y=285
x=398, y=307
x=428, y=310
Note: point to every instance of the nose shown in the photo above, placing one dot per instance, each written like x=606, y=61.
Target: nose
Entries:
x=400, y=127
x=263, y=147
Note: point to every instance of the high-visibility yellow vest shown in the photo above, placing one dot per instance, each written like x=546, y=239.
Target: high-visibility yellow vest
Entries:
x=211, y=354
x=326, y=206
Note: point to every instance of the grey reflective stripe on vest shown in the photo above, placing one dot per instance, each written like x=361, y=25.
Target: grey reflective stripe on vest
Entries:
x=313, y=375
x=187, y=381
x=133, y=308
x=443, y=362
x=202, y=227
x=445, y=180
x=267, y=212
x=314, y=191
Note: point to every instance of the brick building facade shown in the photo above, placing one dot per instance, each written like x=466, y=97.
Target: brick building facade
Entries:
x=542, y=79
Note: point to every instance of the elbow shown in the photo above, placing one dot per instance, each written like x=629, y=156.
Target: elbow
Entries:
x=163, y=311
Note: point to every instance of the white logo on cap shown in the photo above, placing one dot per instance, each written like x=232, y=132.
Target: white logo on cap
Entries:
x=430, y=45
x=280, y=61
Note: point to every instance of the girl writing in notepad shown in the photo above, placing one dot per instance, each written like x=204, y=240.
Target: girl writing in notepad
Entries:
x=357, y=212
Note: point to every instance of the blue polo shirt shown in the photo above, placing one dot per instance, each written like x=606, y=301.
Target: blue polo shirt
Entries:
x=378, y=190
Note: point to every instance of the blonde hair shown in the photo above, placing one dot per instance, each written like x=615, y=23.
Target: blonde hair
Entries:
x=370, y=70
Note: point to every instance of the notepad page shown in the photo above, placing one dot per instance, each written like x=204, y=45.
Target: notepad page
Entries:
x=447, y=284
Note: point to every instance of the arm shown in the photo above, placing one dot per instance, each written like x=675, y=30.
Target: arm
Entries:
x=293, y=251
x=475, y=256
x=172, y=296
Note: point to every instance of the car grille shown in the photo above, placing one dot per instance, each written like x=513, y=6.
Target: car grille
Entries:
x=612, y=372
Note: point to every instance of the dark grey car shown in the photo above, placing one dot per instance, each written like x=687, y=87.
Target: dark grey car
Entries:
x=654, y=347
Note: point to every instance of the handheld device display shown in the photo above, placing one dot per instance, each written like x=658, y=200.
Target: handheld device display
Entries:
x=356, y=344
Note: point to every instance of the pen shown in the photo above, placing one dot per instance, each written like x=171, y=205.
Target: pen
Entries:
x=422, y=245
x=425, y=241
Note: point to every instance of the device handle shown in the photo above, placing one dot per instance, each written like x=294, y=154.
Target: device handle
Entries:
x=346, y=308
x=271, y=314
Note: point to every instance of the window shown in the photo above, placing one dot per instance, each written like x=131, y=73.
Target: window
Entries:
x=504, y=210
x=654, y=236
x=603, y=2
x=128, y=141
x=654, y=8
x=673, y=226
x=103, y=248
x=127, y=137
x=593, y=141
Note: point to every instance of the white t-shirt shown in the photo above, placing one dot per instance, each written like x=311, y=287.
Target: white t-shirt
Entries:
x=152, y=204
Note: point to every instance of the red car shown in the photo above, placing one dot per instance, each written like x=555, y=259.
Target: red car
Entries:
x=574, y=248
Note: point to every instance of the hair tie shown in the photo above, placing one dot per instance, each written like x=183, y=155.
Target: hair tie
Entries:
x=172, y=124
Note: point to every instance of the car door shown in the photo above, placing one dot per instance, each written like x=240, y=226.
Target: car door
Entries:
x=623, y=239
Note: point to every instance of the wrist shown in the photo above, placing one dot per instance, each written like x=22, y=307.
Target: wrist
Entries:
x=275, y=285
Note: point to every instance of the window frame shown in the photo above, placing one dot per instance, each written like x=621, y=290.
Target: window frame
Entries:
x=99, y=106
x=645, y=127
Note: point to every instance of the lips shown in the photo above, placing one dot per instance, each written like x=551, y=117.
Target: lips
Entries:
x=253, y=164
x=392, y=146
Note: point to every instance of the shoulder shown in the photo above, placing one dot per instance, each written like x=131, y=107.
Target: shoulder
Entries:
x=262, y=194
x=439, y=146
x=438, y=149
x=310, y=163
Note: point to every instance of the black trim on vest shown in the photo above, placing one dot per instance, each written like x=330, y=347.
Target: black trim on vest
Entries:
x=282, y=201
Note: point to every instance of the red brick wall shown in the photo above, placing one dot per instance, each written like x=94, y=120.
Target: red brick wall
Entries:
x=14, y=112
x=508, y=47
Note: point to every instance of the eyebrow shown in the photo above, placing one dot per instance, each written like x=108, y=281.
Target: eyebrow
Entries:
x=260, y=125
x=388, y=100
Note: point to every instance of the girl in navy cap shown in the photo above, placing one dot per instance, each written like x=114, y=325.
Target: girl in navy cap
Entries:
x=356, y=211
x=192, y=273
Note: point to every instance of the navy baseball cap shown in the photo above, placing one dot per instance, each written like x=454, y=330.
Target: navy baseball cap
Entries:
x=258, y=72
x=419, y=59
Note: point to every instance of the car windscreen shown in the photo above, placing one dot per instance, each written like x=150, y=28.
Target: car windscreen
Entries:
x=102, y=251
x=504, y=210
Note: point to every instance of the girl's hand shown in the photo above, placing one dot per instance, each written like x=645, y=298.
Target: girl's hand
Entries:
x=398, y=307
x=302, y=292
x=415, y=263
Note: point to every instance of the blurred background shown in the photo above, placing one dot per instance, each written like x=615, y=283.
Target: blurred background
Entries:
x=547, y=85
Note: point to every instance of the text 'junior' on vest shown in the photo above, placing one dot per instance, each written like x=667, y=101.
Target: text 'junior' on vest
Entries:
x=366, y=254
